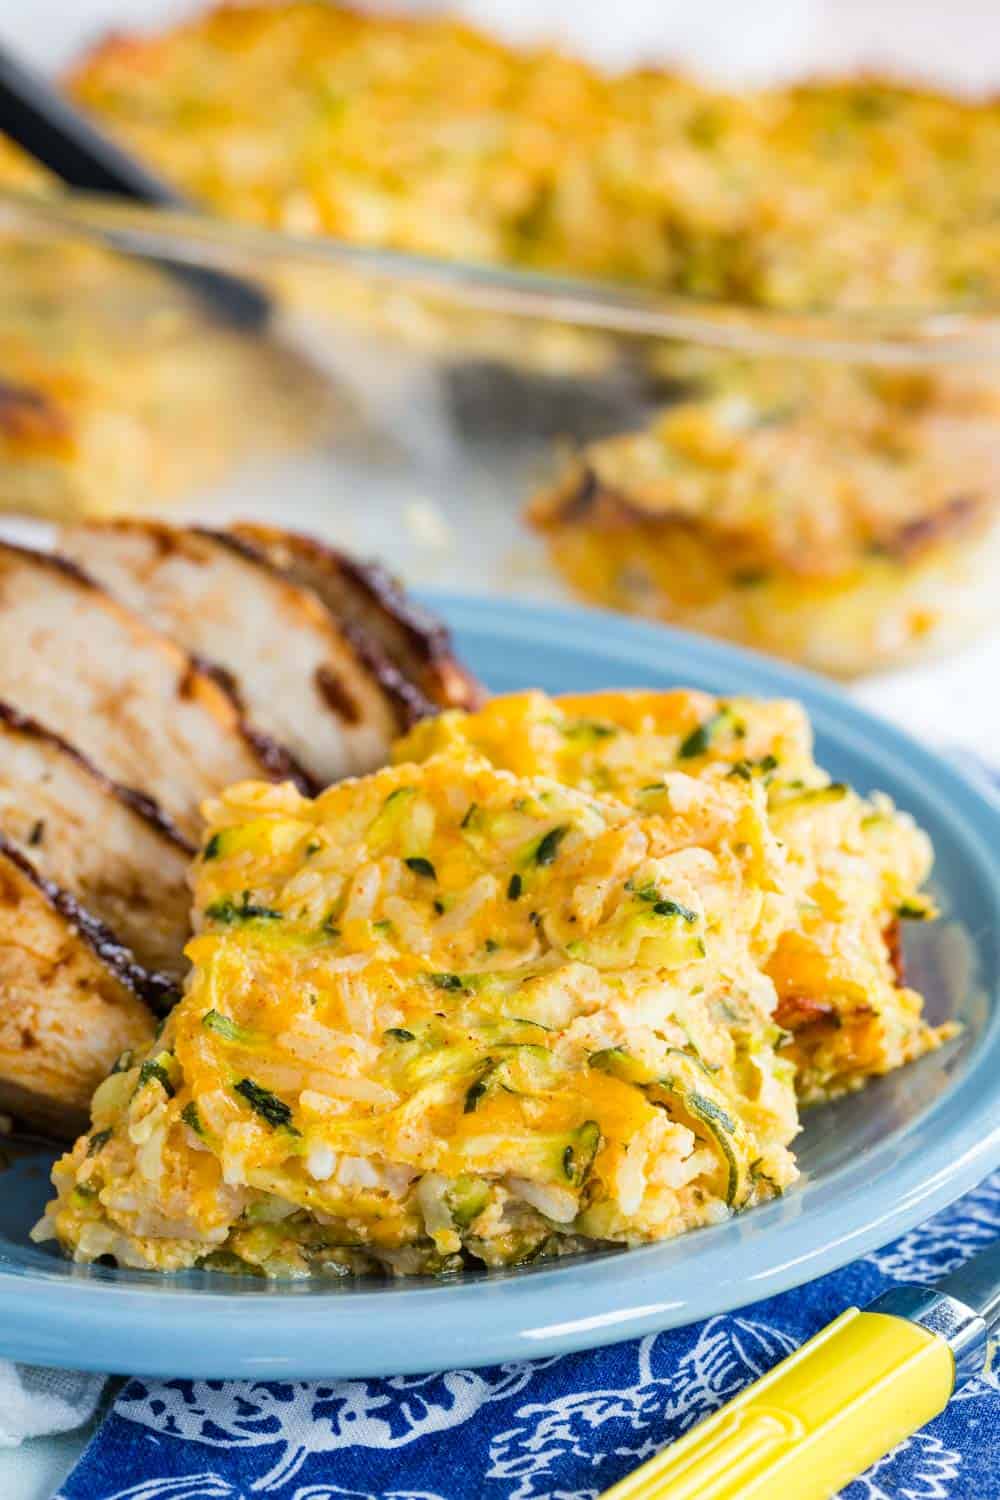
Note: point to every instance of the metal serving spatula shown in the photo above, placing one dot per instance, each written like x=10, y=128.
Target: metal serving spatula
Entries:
x=827, y=1412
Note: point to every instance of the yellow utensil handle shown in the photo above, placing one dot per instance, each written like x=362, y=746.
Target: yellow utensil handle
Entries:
x=813, y=1423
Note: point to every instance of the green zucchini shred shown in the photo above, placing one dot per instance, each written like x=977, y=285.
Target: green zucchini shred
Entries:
x=699, y=740
x=466, y=1198
x=548, y=845
x=620, y=1064
x=662, y=906
x=270, y=1108
x=744, y=769
x=756, y=1175
x=474, y=1093
x=578, y=1156
x=157, y=1070
x=589, y=731
x=228, y=912
x=668, y=908
x=224, y=1026
x=723, y=1128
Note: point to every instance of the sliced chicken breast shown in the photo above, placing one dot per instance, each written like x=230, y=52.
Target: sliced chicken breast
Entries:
x=71, y=1000
x=367, y=599
x=296, y=672
x=134, y=702
x=110, y=848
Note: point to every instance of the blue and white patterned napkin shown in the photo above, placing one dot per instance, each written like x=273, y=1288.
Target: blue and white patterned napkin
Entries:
x=556, y=1429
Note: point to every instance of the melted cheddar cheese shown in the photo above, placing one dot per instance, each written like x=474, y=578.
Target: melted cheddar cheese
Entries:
x=853, y=866
x=444, y=1013
x=558, y=978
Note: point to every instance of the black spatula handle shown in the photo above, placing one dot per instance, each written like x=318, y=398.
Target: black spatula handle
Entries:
x=62, y=138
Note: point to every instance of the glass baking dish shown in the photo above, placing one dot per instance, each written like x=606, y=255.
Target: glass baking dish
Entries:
x=822, y=486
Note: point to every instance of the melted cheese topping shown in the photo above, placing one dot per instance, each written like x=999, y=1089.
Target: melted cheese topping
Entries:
x=446, y=1009
x=551, y=980
x=852, y=865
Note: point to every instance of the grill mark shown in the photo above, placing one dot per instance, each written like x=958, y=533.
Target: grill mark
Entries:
x=279, y=763
x=277, y=760
x=408, y=702
x=335, y=695
x=157, y=991
x=141, y=803
x=428, y=638
x=221, y=676
x=55, y=563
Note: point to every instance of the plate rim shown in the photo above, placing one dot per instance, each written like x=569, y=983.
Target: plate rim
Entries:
x=51, y=1318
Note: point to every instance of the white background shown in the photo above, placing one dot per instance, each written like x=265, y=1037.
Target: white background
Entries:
x=957, y=42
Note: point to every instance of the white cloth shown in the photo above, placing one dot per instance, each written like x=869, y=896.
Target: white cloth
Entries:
x=38, y=1403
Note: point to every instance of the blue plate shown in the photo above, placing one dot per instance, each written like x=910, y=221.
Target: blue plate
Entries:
x=873, y=1164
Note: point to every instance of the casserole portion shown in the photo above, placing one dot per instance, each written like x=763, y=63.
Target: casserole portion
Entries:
x=853, y=867
x=423, y=134
x=447, y=1015
x=841, y=517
